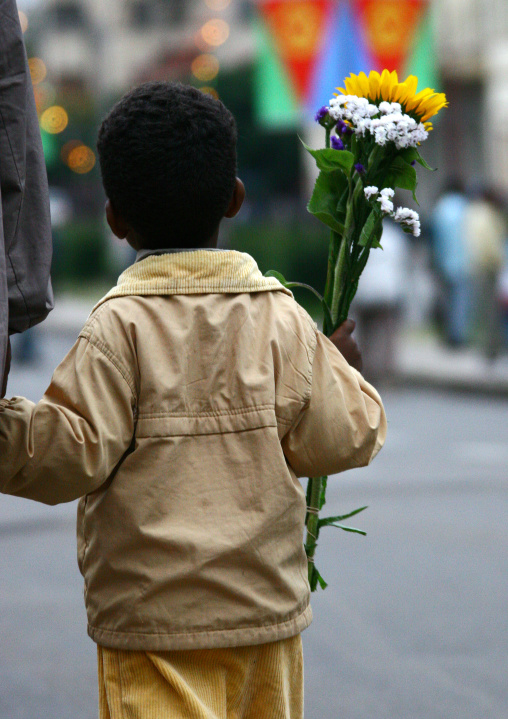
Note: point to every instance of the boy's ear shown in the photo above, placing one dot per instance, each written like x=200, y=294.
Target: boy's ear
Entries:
x=237, y=199
x=116, y=222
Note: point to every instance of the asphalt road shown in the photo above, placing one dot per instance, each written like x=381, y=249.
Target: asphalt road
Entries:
x=413, y=624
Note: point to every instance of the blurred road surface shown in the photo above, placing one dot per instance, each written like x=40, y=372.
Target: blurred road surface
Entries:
x=413, y=624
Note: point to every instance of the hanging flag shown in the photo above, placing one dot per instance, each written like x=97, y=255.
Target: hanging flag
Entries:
x=343, y=52
x=275, y=102
x=422, y=60
x=298, y=30
x=389, y=29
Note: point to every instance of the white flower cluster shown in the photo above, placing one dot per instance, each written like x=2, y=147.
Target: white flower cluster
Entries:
x=352, y=108
x=403, y=215
x=387, y=123
x=409, y=218
x=385, y=200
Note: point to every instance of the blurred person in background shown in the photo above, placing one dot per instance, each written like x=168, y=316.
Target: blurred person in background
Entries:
x=25, y=229
x=503, y=295
x=451, y=262
x=486, y=237
x=379, y=304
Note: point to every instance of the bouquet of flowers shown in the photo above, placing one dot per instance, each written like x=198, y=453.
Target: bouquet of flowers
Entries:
x=373, y=130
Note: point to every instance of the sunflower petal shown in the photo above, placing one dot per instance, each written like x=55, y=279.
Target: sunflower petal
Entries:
x=411, y=82
x=375, y=84
x=351, y=85
x=363, y=82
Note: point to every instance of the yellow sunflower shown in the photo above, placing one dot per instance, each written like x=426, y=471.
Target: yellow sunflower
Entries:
x=376, y=87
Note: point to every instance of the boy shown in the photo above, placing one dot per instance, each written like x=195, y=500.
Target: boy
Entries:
x=197, y=392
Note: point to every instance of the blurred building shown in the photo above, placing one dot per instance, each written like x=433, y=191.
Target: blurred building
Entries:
x=109, y=46
x=472, y=44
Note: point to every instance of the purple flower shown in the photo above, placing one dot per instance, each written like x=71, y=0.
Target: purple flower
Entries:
x=413, y=163
x=343, y=128
x=360, y=168
x=336, y=143
x=321, y=113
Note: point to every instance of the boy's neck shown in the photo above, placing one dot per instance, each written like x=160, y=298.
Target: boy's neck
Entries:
x=173, y=247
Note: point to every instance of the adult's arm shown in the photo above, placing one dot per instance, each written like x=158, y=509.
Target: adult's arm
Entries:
x=25, y=228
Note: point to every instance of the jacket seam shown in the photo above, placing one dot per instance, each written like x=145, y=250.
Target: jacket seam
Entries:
x=218, y=413
x=104, y=349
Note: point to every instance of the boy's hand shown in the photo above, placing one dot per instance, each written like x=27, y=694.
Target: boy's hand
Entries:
x=346, y=344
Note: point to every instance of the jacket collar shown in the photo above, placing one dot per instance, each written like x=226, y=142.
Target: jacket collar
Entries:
x=193, y=272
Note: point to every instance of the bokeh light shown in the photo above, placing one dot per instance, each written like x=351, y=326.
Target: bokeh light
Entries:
x=210, y=91
x=37, y=69
x=81, y=159
x=215, y=32
x=45, y=95
x=23, y=21
x=54, y=120
x=217, y=5
x=205, y=67
x=67, y=149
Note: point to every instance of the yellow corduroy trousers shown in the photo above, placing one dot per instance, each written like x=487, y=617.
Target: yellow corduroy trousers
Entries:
x=255, y=682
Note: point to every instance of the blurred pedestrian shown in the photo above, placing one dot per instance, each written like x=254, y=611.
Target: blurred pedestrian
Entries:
x=486, y=237
x=379, y=303
x=25, y=230
x=451, y=262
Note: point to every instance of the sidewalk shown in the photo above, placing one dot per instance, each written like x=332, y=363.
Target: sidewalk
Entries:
x=422, y=359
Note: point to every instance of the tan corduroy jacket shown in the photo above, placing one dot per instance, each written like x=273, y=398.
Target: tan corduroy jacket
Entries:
x=197, y=392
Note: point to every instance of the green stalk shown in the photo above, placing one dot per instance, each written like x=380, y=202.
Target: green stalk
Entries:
x=312, y=522
x=315, y=483
x=338, y=280
x=340, y=277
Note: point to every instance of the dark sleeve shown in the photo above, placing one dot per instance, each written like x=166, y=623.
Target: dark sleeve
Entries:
x=25, y=227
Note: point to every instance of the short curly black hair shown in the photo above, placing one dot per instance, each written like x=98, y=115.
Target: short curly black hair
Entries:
x=167, y=154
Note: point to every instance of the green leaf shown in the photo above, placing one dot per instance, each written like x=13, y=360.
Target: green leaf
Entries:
x=316, y=577
x=322, y=498
x=330, y=160
x=424, y=164
x=403, y=175
x=278, y=276
x=349, y=529
x=323, y=203
x=411, y=154
x=330, y=520
x=370, y=226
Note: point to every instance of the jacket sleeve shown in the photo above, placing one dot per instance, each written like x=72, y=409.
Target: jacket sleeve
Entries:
x=343, y=423
x=68, y=444
x=25, y=226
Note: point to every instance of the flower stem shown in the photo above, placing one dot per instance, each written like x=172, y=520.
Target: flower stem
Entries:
x=314, y=496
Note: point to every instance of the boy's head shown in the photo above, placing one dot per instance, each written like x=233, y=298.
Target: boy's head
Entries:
x=167, y=154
